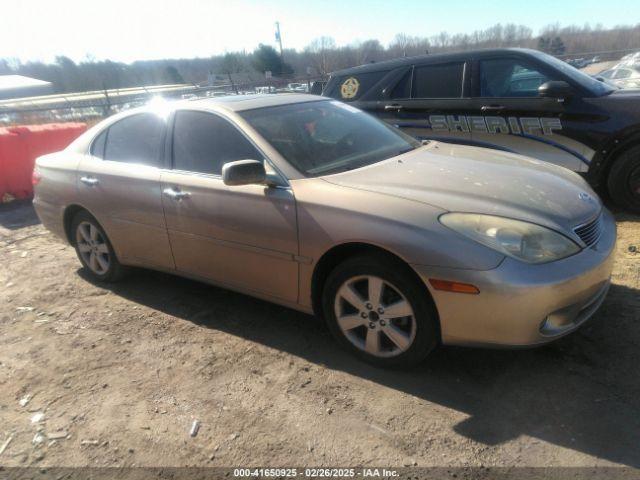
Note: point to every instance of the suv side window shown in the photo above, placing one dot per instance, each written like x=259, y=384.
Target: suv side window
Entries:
x=203, y=142
x=438, y=81
x=509, y=77
x=403, y=87
x=135, y=139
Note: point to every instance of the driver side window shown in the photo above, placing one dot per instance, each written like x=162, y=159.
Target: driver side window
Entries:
x=509, y=77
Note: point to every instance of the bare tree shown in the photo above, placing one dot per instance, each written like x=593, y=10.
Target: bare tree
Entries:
x=321, y=52
x=399, y=45
x=370, y=51
x=442, y=39
x=325, y=56
x=231, y=64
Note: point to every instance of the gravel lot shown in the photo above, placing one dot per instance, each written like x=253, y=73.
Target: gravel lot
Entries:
x=116, y=374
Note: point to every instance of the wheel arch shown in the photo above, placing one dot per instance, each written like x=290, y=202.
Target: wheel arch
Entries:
x=339, y=253
x=599, y=172
x=67, y=219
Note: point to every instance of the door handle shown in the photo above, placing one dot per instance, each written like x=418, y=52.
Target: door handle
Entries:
x=91, y=181
x=492, y=108
x=393, y=107
x=175, y=194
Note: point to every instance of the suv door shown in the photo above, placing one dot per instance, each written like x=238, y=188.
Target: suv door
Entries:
x=242, y=236
x=119, y=183
x=510, y=115
x=428, y=102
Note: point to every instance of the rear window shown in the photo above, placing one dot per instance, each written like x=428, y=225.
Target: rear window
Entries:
x=438, y=81
x=622, y=74
x=351, y=87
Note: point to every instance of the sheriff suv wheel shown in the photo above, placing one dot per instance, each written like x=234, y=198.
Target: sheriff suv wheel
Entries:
x=378, y=311
x=624, y=180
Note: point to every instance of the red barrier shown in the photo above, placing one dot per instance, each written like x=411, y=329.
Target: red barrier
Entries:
x=20, y=146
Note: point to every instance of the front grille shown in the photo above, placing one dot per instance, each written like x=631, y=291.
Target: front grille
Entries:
x=590, y=232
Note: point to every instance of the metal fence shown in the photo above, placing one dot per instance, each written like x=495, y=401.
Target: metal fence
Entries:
x=93, y=106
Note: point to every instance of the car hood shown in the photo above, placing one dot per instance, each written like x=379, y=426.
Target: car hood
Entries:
x=479, y=180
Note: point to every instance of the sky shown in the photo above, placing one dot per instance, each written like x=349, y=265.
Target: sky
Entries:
x=128, y=30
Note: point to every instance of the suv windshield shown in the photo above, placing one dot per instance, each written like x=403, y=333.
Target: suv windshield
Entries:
x=596, y=87
x=324, y=137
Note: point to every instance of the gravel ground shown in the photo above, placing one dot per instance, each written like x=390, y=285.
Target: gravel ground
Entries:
x=115, y=375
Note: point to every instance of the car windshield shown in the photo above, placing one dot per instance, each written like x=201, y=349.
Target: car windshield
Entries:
x=324, y=137
x=596, y=87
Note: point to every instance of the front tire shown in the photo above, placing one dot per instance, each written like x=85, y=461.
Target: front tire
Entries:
x=94, y=249
x=624, y=180
x=376, y=309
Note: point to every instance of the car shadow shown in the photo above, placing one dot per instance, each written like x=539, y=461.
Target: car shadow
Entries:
x=18, y=214
x=580, y=392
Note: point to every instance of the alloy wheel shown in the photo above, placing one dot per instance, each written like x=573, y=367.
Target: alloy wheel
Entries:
x=375, y=316
x=93, y=248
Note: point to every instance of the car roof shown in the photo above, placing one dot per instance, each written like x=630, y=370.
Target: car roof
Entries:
x=431, y=58
x=232, y=103
x=238, y=103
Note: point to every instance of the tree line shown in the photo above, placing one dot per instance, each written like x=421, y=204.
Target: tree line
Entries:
x=317, y=59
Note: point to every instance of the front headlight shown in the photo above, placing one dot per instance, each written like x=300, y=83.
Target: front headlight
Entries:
x=525, y=241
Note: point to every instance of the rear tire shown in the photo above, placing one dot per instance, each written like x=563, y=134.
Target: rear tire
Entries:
x=94, y=249
x=389, y=320
x=624, y=180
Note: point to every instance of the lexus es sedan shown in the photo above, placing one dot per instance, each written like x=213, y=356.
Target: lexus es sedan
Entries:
x=313, y=204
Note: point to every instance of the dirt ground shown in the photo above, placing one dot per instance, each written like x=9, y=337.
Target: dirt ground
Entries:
x=114, y=375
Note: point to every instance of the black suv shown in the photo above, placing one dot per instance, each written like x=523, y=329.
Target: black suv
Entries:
x=518, y=100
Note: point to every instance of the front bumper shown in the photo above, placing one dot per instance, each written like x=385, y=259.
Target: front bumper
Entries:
x=521, y=304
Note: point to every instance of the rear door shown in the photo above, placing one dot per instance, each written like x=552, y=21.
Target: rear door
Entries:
x=241, y=236
x=119, y=183
x=429, y=102
x=509, y=114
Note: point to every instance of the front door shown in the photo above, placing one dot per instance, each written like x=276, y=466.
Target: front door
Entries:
x=119, y=183
x=242, y=236
x=509, y=114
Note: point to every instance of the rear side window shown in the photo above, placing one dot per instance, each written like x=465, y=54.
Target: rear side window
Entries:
x=204, y=142
x=97, y=147
x=438, y=81
x=351, y=87
x=135, y=139
x=403, y=87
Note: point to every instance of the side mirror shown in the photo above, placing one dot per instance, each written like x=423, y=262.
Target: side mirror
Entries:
x=555, y=89
x=243, y=172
